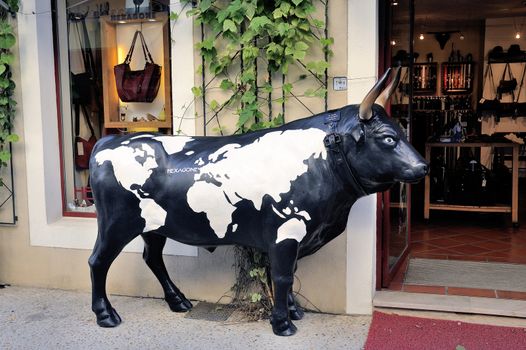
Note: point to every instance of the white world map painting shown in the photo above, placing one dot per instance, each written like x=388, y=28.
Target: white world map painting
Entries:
x=267, y=166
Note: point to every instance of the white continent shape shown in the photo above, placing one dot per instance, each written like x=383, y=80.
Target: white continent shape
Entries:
x=268, y=166
x=129, y=171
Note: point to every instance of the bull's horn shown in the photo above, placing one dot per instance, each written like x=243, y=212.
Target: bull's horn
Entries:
x=388, y=91
x=366, y=106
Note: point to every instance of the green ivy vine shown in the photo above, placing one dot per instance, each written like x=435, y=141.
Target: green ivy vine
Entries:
x=7, y=85
x=246, y=44
x=242, y=33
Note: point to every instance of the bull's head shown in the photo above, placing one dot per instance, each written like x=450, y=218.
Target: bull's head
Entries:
x=376, y=146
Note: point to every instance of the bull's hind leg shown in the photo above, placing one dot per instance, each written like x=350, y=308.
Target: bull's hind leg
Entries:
x=152, y=255
x=104, y=253
x=295, y=311
x=282, y=262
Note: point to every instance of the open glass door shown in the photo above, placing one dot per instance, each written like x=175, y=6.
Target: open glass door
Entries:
x=396, y=202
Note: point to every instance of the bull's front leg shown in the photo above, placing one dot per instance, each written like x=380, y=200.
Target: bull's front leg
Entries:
x=283, y=257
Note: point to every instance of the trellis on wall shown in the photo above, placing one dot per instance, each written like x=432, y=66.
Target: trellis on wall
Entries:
x=7, y=194
x=262, y=82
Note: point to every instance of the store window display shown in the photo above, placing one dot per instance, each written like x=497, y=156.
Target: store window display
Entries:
x=113, y=67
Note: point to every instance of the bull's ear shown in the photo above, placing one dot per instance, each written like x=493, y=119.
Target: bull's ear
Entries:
x=388, y=91
x=358, y=133
x=366, y=107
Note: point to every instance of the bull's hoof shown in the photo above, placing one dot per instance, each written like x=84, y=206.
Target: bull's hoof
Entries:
x=178, y=302
x=283, y=328
x=296, y=313
x=108, y=318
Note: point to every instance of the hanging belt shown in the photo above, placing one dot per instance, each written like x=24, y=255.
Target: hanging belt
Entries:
x=333, y=143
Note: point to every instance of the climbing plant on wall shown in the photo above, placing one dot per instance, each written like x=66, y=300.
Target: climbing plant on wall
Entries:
x=247, y=43
x=7, y=85
x=249, y=48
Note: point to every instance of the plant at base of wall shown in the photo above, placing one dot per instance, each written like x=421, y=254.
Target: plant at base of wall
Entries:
x=244, y=44
x=7, y=85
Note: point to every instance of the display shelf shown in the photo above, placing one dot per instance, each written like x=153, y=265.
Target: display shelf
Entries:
x=425, y=78
x=457, y=78
x=512, y=208
x=113, y=41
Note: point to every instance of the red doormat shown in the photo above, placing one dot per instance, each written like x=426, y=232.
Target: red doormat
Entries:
x=390, y=331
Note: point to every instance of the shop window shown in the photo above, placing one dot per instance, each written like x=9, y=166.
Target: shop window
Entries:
x=91, y=38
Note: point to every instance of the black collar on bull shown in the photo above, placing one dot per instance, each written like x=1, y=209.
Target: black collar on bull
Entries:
x=333, y=143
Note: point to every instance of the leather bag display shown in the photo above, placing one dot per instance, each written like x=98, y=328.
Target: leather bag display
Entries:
x=507, y=86
x=83, y=147
x=138, y=85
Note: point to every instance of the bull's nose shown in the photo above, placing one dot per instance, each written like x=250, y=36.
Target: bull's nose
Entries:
x=425, y=168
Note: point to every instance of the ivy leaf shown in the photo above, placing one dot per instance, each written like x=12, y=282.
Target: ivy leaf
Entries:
x=317, y=23
x=297, y=2
x=277, y=13
x=5, y=28
x=197, y=91
x=285, y=8
x=299, y=55
x=205, y=5
x=4, y=83
x=7, y=41
x=12, y=138
x=174, y=16
x=248, y=76
x=244, y=116
x=222, y=15
x=287, y=88
x=207, y=44
x=318, y=67
x=301, y=46
x=226, y=84
x=327, y=42
x=229, y=25
x=279, y=120
x=214, y=104
x=256, y=297
x=5, y=156
x=267, y=88
x=7, y=58
x=250, y=10
x=248, y=97
x=2, y=68
x=259, y=22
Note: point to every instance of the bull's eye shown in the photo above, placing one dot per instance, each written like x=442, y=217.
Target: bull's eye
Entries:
x=390, y=141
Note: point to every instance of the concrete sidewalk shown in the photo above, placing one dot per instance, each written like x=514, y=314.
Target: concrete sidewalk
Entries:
x=32, y=318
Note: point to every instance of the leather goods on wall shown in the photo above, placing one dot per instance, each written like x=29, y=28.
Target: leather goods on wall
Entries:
x=83, y=147
x=507, y=86
x=139, y=85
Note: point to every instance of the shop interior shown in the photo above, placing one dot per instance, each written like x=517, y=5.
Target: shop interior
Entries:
x=462, y=101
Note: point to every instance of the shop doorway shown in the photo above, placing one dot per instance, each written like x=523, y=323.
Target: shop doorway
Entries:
x=463, y=232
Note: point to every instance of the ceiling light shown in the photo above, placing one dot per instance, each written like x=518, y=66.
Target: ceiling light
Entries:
x=394, y=3
x=517, y=35
x=421, y=36
x=393, y=42
x=462, y=37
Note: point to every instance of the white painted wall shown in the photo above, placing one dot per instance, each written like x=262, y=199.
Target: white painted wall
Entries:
x=361, y=227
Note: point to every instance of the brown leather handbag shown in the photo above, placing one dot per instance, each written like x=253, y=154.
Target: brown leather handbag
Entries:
x=139, y=85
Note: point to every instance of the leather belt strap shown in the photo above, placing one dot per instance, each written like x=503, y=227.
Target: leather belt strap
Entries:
x=333, y=143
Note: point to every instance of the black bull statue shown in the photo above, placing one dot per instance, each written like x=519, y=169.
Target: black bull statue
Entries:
x=286, y=191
